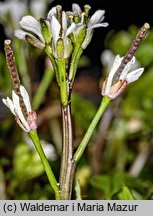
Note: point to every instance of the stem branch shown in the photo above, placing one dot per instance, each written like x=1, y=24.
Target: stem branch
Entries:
x=34, y=137
x=104, y=104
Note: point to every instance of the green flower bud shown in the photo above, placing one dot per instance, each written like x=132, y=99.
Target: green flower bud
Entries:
x=45, y=31
x=34, y=41
x=60, y=48
x=68, y=48
x=79, y=37
x=76, y=18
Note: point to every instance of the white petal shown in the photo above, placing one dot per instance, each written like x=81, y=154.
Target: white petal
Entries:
x=112, y=72
x=51, y=13
x=70, y=29
x=127, y=68
x=55, y=29
x=96, y=17
x=18, y=110
x=21, y=34
x=26, y=99
x=29, y=23
x=8, y=102
x=76, y=8
x=87, y=38
x=64, y=21
x=134, y=75
x=98, y=25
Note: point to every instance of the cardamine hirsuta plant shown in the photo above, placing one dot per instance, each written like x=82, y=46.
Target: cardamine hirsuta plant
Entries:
x=63, y=36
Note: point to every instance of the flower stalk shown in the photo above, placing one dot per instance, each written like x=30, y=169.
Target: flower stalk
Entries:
x=103, y=106
x=52, y=180
x=76, y=54
x=20, y=106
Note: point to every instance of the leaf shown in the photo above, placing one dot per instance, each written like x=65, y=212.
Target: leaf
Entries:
x=102, y=183
x=27, y=164
x=125, y=194
x=78, y=190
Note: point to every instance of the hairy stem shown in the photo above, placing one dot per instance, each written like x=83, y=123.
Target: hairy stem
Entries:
x=67, y=168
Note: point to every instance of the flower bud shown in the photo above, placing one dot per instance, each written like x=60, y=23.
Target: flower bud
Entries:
x=34, y=41
x=45, y=31
x=60, y=48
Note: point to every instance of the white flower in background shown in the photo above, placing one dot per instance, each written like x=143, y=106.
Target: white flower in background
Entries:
x=27, y=124
x=14, y=8
x=48, y=148
x=107, y=58
x=11, y=11
x=128, y=75
x=90, y=24
x=38, y=7
x=10, y=14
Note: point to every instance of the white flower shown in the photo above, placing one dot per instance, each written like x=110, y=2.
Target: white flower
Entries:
x=107, y=58
x=94, y=22
x=31, y=27
x=32, y=31
x=48, y=148
x=111, y=89
x=10, y=14
x=38, y=7
x=61, y=31
x=14, y=106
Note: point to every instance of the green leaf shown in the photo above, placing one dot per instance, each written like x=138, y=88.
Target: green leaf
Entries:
x=27, y=164
x=102, y=183
x=78, y=190
x=125, y=194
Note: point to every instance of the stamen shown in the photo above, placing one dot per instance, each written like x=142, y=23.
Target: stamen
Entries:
x=130, y=53
x=70, y=18
x=86, y=10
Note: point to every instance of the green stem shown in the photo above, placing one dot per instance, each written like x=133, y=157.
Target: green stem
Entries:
x=52, y=59
x=66, y=172
x=61, y=63
x=34, y=137
x=77, y=52
x=104, y=104
x=22, y=65
x=46, y=80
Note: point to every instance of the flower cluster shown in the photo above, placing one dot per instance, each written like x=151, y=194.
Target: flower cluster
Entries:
x=61, y=29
